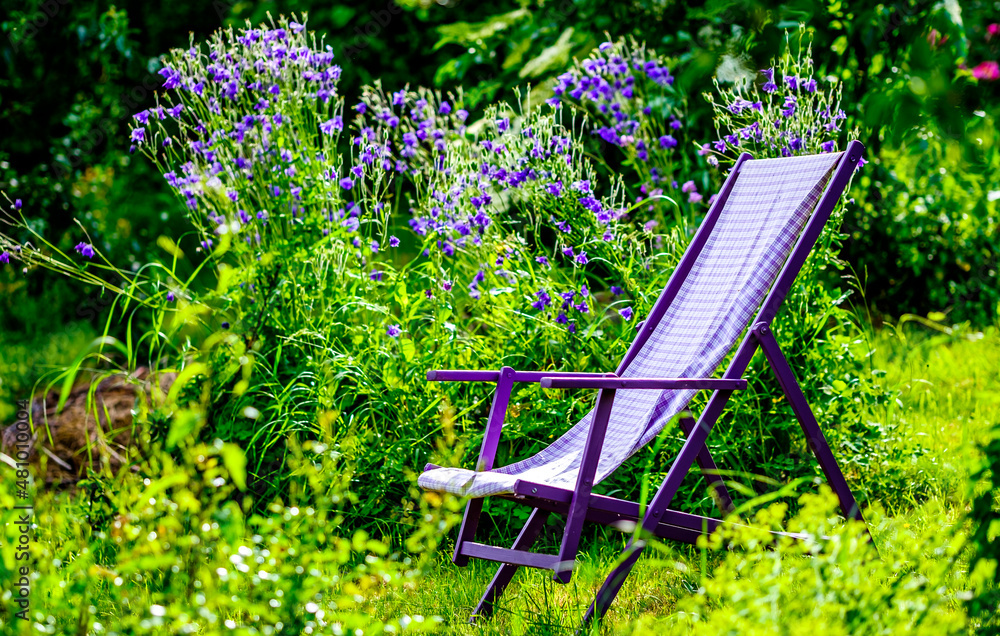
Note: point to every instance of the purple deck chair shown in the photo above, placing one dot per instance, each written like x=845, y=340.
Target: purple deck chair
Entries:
x=730, y=283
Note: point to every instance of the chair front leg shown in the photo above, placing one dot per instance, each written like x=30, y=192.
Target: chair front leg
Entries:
x=487, y=455
x=584, y=484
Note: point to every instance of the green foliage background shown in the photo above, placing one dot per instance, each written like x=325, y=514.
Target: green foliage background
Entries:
x=921, y=238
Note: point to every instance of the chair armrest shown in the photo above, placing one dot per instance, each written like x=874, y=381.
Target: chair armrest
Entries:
x=552, y=382
x=463, y=376
x=519, y=376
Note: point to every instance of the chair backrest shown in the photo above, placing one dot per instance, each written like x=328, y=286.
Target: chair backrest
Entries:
x=727, y=274
x=756, y=229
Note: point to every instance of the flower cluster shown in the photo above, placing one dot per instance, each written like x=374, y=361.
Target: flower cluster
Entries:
x=255, y=140
x=786, y=112
x=417, y=125
x=627, y=93
x=495, y=199
x=251, y=136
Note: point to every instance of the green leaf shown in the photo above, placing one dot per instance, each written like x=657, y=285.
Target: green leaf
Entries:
x=839, y=45
x=183, y=426
x=408, y=348
x=877, y=64
x=185, y=376
x=475, y=32
x=555, y=56
x=235, y=462
x=401, y=296
x=69, y=377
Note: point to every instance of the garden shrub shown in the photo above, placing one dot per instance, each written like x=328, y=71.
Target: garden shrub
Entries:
x=835, y=580
x=314, y=325
x=926, y=233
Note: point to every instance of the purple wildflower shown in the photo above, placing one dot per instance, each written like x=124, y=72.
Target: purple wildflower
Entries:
x=769, y=86
x=393, y=331
x=86, y=249
x=393, y=241
x=616, y=291
x=138, y=135
x=335, y=124
x=581, y=258
x=171, y=297
x=544, y=300
x=171, y=78
x=374, y=247
x=689, y=186
x=4, y=258
x=346, y=183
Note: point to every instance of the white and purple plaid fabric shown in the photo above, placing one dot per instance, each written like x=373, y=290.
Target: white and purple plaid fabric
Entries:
x=766, y=211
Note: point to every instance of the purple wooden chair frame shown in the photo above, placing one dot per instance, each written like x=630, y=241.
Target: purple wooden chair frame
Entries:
x=657, y=519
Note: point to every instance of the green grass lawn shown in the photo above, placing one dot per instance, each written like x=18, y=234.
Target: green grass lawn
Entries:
x=948, y=385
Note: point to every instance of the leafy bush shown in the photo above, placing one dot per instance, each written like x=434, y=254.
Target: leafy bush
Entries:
x=927, y=229
x=836, y=578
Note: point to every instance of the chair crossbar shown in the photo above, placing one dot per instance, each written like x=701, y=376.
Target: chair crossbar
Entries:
x=507, y=555
x=613, y=510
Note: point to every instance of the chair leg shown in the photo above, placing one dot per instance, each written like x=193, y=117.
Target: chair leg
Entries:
x=473, y=509
x=717, y=485
x=661, y=501
x=527, y=536
x=578, y=507
x=817, y=441
x=470, y=523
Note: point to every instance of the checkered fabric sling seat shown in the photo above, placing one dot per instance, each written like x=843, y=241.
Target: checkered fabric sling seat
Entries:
x=759, y=225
